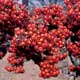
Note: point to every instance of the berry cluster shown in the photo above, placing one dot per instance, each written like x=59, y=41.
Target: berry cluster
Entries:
x=12, y=15
x=49, y=68
x=42, y=35
x=72, y=22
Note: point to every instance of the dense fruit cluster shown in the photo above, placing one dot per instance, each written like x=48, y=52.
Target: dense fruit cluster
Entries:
x=74, y=49
x=49, y=68
x=12, y=15
x=72, y=15
x=37, y=40
x=49, y=15
x=72, y=22
x=42, y=35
